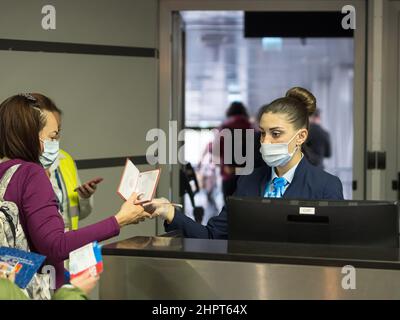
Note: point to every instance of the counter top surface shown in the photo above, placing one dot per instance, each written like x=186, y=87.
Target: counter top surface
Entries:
x=256, y=252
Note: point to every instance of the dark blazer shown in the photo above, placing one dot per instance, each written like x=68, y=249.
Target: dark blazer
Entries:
x=309, y=182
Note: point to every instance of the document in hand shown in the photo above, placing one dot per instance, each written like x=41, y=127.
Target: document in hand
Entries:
x=86, y=258
x=140, y=182
x=24, y=264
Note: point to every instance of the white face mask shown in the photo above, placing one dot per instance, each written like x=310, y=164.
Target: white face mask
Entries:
x=50, y=153
x=277, y=154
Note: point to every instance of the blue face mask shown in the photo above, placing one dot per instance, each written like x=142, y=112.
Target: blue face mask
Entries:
x=50, y=153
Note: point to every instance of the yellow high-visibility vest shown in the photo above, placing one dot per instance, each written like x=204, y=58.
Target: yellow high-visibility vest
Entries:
x=69, y=174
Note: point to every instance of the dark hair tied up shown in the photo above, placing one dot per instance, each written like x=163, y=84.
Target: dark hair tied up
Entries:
x=297, y=105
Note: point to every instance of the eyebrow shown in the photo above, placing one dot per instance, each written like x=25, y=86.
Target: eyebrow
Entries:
x=271, y=129
x=276, y=128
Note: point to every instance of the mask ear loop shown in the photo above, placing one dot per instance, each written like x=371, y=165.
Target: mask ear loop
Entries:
x=297, y=146
x=294, y=151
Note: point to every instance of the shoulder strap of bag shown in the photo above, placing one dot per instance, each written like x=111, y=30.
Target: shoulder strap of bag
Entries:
x=6, y=180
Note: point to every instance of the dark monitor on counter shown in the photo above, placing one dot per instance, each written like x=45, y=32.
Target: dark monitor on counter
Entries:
x=353, y=223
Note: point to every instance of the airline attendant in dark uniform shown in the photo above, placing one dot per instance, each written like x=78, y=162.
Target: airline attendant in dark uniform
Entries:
x=284, y=129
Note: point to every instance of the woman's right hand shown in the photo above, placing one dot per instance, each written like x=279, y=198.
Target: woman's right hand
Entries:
x=161, y=207
x=131, y=213
x=85, y=282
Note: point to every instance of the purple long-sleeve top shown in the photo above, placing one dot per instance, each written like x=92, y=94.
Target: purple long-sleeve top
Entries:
x=30, y=189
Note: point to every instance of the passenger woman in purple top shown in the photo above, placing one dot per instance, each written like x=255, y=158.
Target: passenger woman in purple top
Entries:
x=25, y=132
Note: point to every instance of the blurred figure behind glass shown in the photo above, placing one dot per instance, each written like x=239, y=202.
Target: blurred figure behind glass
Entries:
x=236, y=118
x=318, y=143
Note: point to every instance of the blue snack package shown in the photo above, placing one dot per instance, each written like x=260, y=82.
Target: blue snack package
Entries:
x=25, y=264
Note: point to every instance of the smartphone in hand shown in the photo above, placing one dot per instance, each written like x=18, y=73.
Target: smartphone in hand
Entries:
x=91, y=183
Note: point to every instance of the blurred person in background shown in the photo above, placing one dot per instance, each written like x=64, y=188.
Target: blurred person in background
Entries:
x=318, y=145
x=237, y=118
x=208, y=174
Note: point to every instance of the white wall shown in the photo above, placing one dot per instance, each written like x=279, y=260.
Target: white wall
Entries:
x=109, y=102
x=383, y=96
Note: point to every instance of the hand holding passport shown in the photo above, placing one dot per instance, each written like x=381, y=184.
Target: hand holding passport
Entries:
x=142, y=183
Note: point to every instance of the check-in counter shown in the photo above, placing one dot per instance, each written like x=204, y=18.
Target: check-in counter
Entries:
x=178, y=268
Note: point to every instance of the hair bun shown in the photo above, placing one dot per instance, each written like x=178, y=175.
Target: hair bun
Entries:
x=304, y=96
